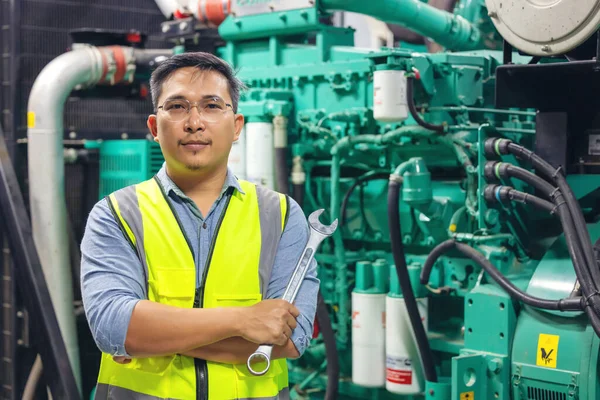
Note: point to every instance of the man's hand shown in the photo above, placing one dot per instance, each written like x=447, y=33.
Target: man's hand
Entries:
x=269, y=322
x=121, y=359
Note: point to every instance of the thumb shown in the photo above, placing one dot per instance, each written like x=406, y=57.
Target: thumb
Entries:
x=121, y=359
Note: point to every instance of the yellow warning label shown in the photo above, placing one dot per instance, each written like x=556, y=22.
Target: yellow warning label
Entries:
x=467, y=396
x=31, y=119
x=547, y=351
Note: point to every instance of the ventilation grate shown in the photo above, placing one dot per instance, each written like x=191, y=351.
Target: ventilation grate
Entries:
x=534, y=393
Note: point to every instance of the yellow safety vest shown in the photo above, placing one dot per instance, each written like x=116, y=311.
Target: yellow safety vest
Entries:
x=237, y=274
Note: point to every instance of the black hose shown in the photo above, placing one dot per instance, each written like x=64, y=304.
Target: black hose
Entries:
x=298, y=193
x=359, y=181
x=572, y=221
x=331, y=353
x=404, y=280
x=281, y=171
x=570, y=304
x=498, y=193
x=413, y=109
x=505, y=146
x=495, y=169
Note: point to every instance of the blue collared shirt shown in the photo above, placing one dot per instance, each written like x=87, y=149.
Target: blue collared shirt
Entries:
x=112, y=278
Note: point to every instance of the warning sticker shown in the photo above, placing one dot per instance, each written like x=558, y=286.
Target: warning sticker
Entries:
x=399, y=370
x=547, y=351
x=467, y=396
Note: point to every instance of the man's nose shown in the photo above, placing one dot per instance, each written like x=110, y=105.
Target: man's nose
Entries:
x=194, y=122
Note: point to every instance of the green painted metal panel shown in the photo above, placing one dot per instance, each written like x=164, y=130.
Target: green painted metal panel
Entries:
x=127, y=162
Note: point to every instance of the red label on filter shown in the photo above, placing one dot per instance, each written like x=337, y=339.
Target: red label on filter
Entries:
x=399, y=377
x=399, y=370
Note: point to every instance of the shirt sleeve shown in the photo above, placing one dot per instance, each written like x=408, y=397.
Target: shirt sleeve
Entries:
x=112, y=280
x=292, y=243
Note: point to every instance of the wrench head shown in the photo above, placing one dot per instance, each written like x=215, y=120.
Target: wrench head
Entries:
x=314, y=223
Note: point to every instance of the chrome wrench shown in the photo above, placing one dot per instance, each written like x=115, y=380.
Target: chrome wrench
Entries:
x=318, y=233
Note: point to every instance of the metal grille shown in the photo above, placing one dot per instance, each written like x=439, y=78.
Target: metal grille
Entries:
x=534, y=393
x=44, y=35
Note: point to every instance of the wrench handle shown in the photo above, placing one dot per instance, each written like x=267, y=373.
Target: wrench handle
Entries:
x=261, y=355
x=298, y=276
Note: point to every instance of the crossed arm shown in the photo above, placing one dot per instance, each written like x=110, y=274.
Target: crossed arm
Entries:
x=112, y=284
x=220, y=335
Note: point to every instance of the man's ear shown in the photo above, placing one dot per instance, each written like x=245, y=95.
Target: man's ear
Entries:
x=239, y=125
x=152, y=127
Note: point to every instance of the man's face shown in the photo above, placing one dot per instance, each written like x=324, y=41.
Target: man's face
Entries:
x=195, y=141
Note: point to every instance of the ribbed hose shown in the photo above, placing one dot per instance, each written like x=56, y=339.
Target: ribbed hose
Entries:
x=404, y=280
x=493, y=193
x=363, y=179
x=573, y=223
x=298, y=194
x=571, y=304
x=331, y=353
x=412, y=107
x=281, y=171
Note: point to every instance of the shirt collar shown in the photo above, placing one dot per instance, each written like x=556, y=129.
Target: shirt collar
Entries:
x=170, y=186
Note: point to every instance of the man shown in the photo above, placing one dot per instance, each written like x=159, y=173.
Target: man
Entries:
x=181, y=273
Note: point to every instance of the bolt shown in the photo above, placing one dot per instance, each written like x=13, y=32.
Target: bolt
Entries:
x=431, y=392
x=72, y=135
x=183, y=26
x=20, y=314
x=124, y=136
x=546, y=48
x=492, y=14
x=494, y=365
x=165, y=28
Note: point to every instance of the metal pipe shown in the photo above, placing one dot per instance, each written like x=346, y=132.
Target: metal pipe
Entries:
x=451, y=31
x=83, y=67
x=168, y=7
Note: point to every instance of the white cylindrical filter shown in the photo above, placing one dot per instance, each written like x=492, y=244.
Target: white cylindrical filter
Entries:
x=368, y=339
x=368, y=324
x=403, y=367
x=389, y=95
x=260, y=154
x=237, y=156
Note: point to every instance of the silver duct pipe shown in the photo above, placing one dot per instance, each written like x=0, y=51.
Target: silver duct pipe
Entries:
x=83, y=67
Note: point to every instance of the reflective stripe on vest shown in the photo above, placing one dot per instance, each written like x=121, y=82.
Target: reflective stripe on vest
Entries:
x=247, y=236
x=117, y=393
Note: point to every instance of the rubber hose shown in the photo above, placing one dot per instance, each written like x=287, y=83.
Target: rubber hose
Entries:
x=570, y=304
x=580, y=226
x=404, y=280
x=331, y=353
x=359, y=181
x=506, y=170
x=497, y=193
x=281, y=171
x=298, y=194
x=577, y=247
x=413, y=109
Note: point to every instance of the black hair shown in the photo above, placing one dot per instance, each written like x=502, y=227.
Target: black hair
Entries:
x=203, y=62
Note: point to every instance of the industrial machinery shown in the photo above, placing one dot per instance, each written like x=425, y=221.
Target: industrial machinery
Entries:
x=463, y=168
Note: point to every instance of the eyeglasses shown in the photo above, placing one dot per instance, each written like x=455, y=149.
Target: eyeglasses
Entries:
x=211, y=109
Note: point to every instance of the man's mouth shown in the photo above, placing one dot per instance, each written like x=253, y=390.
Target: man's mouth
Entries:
x=195, y=145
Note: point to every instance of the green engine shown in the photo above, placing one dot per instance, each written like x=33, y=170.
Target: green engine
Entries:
x=463, y=170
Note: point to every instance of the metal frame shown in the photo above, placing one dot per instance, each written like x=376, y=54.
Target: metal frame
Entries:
x=30, y=278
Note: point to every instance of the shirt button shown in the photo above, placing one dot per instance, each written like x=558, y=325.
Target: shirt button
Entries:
x=204, y=225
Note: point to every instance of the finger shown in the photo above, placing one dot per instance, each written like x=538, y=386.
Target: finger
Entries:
x=121, y=359
x=287, y=332
x=291, y=321
x=294, y=311
x=282, y=340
